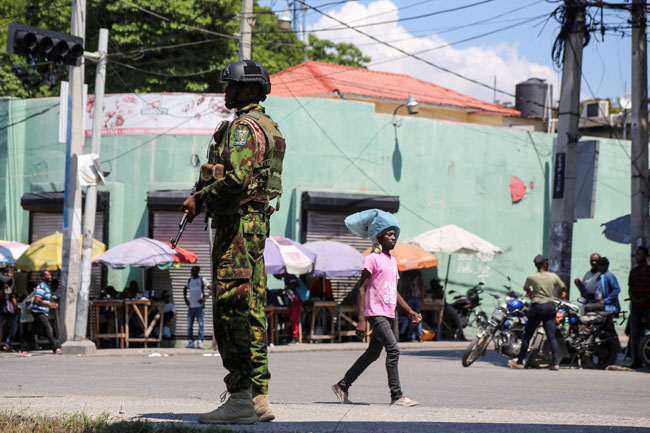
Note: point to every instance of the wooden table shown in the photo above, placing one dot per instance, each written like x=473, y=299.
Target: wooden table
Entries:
x=276, y=317
x=346, y=317
x=269, y=314
x=115, y=307
x=434, y=306
x=318, y=309
x=143, y=308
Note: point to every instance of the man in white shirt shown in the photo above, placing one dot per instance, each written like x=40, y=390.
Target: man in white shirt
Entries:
x=196, y=302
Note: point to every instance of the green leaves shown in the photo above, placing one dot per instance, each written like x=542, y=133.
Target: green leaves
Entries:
x=159, y=45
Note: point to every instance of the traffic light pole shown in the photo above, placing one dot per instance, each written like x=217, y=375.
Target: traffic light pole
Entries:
x=90, y=208
x=72, y=195
x=566, y=147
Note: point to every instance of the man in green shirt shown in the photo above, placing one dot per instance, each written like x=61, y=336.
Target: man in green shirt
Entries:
x=541, y=288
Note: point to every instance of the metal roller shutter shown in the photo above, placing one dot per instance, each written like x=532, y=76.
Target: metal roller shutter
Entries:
x=194, y=239
x=46, y=223
x=328, y=225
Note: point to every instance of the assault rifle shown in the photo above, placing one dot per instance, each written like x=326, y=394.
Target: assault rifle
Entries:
x=184, y=220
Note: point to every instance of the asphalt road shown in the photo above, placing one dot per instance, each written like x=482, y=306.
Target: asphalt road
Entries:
x=486, y=397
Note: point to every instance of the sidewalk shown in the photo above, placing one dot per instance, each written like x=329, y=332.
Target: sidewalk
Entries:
x=288, y=348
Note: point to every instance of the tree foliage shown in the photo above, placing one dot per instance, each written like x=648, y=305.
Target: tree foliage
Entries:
x=158, y=45
x=341, y=53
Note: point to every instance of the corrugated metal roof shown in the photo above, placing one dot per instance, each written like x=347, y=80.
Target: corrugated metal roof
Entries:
x=319, y=79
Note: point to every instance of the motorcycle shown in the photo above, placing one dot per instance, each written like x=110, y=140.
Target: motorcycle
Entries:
x=505, y=328
x=467, y=308
x=588, y=340
x=644, y=348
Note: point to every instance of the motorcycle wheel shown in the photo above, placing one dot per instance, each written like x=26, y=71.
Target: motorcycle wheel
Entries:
x=604, y=354
x=532, y=361
x=475, y=349
x=644, y=350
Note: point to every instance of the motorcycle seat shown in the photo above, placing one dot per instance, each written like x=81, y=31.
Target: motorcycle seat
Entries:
x=593, y=318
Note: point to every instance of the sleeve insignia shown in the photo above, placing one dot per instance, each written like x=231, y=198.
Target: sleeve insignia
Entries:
x=241, y=135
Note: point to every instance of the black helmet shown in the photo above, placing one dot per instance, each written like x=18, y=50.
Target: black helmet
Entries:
x=248, y=71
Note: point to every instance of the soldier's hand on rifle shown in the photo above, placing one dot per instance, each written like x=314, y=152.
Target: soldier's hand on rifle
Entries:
x=193, y=205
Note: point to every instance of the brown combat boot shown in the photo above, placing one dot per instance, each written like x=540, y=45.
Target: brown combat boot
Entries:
x=239, y=409
x=263, y=408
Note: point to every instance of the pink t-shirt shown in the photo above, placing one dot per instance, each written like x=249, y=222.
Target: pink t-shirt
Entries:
x=381, y=293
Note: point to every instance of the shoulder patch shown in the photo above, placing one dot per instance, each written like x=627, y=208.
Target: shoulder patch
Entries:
x=240, y=136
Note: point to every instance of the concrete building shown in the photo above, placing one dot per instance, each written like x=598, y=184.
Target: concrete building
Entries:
x=342, y=155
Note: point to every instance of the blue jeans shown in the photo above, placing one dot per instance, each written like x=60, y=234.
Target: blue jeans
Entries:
x=414, y=331
x=545, y=314
x=195, y=314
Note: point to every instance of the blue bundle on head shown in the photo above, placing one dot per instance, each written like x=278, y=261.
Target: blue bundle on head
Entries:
x=371, y=223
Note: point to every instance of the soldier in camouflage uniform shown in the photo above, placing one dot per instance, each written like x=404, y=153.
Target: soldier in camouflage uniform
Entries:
x=242, y=175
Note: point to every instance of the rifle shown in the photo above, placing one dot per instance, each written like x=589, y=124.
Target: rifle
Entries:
x=184, y=220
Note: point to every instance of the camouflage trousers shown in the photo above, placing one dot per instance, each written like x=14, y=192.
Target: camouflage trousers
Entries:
x=239, y=299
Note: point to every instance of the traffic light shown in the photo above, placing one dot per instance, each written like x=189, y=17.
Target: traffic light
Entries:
x=44, y=45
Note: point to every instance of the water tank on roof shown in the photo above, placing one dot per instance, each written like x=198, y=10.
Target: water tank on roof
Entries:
x=533, y=98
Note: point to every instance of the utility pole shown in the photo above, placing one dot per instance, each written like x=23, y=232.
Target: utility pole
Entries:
x=639, y=225
x=83, y=345
x=72, y=195
x=566, y=147
x=245, y=30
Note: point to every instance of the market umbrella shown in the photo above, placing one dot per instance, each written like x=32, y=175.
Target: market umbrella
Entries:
x=409, y=256
x=335, y=259
x=141, y=252
x=46, y=254
x=285, y=255
x=451, y=239
x=181, y=255
x=10, y=251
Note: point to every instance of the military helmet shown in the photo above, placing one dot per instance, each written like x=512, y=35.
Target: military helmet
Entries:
x=248, y=71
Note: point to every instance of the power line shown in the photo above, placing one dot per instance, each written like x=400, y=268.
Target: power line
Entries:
x=199, y=29
x=145, y=49
x=165, y=75
x=438, y=31
x=471, y=38
x=400, y=20
x=31, y=116
x=392, y=10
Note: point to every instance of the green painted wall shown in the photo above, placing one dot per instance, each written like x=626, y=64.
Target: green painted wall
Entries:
x=443, y=173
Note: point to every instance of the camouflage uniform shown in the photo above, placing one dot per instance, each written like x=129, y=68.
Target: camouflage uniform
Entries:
x=240, y=212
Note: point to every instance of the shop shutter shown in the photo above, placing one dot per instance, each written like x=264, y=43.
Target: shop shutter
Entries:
x=46, y=223
x=194, y=239
x=328, y=225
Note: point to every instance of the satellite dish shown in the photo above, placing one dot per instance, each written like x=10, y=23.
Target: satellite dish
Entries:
x=626, y=101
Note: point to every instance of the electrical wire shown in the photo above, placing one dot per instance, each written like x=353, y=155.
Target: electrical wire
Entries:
x=165, y=75
x=31, y=116
x=400, y=20
x=199, y=29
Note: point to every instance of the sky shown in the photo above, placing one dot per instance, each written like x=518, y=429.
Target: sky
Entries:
x=484, y=40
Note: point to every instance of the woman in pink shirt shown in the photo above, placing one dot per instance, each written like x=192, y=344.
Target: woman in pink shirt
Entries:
x=376, y=301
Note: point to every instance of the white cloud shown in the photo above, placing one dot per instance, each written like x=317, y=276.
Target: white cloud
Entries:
x=480, y=63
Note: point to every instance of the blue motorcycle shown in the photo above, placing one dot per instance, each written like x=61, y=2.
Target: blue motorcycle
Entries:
x=505, y=328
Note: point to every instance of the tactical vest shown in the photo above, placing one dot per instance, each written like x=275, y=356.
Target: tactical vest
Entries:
x=267, y=174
